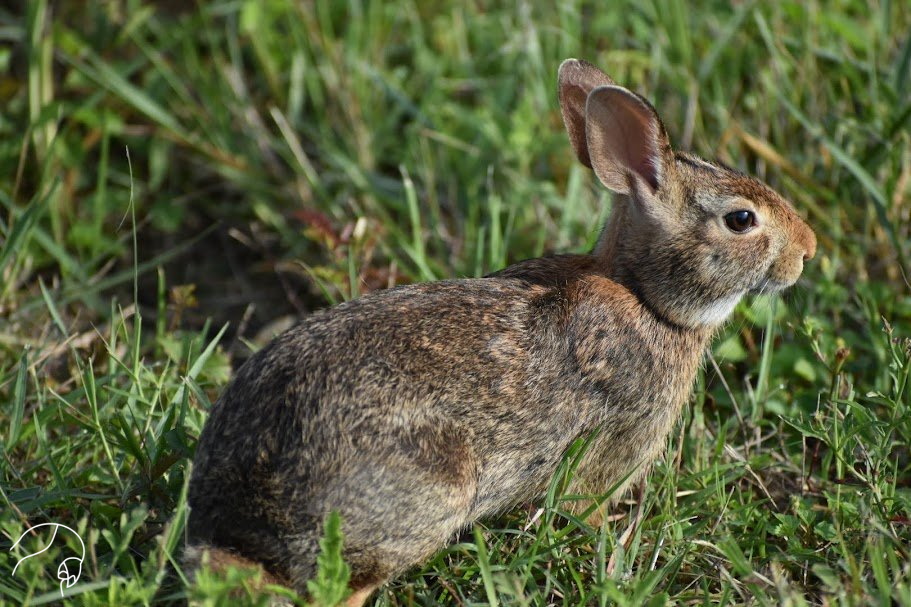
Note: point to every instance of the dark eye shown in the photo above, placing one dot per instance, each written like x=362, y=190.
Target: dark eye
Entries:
x=740, y=221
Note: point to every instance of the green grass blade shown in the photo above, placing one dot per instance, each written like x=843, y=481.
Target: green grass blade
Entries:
x=484, y=566
x=18, y=403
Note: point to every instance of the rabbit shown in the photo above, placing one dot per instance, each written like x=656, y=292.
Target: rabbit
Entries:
x=418, y=410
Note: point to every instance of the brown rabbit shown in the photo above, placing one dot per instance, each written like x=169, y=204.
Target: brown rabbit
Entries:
x=415, y=411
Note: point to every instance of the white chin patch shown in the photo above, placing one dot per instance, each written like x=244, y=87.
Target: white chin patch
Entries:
x=718, y=311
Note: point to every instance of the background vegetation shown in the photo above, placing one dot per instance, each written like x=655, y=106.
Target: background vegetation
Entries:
x=178, y=180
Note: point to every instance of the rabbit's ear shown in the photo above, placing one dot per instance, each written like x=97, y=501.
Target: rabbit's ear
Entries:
x=576, y=80
x=625, y=139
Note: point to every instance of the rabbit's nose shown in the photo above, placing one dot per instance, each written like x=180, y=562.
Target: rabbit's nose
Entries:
x=809, y=243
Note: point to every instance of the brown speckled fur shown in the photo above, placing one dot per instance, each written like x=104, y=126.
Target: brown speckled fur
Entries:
x=417, y=410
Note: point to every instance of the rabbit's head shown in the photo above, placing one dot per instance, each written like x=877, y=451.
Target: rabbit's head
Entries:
x=689, y=236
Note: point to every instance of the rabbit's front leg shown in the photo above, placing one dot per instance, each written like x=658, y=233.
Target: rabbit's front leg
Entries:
x=605, y=474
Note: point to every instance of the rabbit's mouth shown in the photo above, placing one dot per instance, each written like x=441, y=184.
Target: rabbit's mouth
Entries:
x=771, y=285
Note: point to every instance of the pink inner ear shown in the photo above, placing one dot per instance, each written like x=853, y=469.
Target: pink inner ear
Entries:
x=624, y=138
x=575, y=122
x=637, y=144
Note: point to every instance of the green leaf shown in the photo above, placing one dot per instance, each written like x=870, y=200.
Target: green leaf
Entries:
x=786, y=527
x=804, y=368
x=330, y=586
x=731, y=350
x=828, y=576
x=739, y=561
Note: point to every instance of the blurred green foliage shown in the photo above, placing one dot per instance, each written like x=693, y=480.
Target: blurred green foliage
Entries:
x=245, y=161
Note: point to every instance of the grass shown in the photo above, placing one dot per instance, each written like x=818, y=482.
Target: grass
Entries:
x=176, y=182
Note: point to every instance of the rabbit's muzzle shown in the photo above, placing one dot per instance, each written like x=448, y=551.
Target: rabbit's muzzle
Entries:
x=786, y=269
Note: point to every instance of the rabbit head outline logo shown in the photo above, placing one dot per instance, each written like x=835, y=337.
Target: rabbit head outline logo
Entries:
x=63, y=570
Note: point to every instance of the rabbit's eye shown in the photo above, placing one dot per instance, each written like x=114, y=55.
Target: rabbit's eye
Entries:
x=740, y=221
